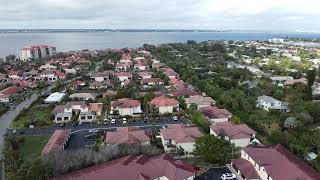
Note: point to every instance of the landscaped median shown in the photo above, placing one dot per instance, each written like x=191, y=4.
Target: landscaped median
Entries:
x=38, y=115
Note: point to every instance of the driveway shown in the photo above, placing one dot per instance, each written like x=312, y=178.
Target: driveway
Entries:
x=213, y=173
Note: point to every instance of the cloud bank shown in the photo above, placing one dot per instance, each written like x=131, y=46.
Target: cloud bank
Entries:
x=279, y=15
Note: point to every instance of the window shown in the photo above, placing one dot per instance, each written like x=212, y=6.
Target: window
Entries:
x=59, y=119
x=66, y=118
x=82, y=117
x=89, y=117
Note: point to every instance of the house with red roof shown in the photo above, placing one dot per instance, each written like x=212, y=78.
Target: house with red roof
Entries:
x=214, y=114
x=57, y=141
x=15, y=74
x=272, y=163
x=124, y=76
x=86, y=112
x=238, y=134
x=126, y=107
x=184, y=92
x=140, y=65
x=123, y=66
x=151, y=82
x=165, y=105
x=102, y=76
x=144, y=75
x=6, y=94
x=128, y=135
x=159, y=167
x=52, y=75
x=179, y=135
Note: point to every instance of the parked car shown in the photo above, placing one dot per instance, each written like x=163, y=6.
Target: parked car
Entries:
x=105, y=122
x=124, y=120
x=228, y=176
x=157, y=119
x=175, y=118
x=75, y=124
x=62, y=125
x=93, y=130
x=113, y=121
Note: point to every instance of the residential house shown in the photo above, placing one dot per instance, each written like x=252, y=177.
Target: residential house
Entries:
x=270, y=103
x=272, y=163
x=141, y=66
x=200, y=101
x=123, y=66
x=101, y=85
x=126, y=107
x=238, y=134
x=165, y=105
x=152, y=82
x=15, y=74
x=83, y=96
x=56, y=97
x=144, y=75
x=213, y=114
x=184, y=92
x=52, y=75
x=6, y=94
x=179, y=136
x=128, y=135
x=123, y=76
x=280, y=80
x=86, y=113
x=57, y=141
x=102, y=76
x=142, y=167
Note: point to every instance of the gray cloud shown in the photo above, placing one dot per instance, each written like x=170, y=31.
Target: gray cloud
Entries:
x=164, y=14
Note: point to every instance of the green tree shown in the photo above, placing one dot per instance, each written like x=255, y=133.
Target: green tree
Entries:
x=311, y=75
x=213, y=150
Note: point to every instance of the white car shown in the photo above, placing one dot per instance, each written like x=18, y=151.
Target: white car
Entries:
x=175, y=118
x=113, y=121
x=228, y=176
x=93, y=130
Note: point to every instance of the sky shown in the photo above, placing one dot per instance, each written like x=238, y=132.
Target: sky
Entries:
x=270, y=15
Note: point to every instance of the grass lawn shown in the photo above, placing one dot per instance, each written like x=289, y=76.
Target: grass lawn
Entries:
x=32, y=146
x=39, y=113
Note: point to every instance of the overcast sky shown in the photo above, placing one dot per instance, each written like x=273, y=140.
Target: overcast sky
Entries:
x=283, y=15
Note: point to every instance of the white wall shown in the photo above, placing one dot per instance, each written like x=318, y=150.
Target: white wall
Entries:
x=262, y=173
x=165, y=109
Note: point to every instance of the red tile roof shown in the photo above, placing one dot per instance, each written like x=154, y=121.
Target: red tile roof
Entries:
x=234, y=131
x=184, y=92
x=181, y=134
x=214, y=112
x=127, y=135
x=123, y=74
x=279, y=163
x=95, y=107
x=10, y=91
x=246, y=168
x=164, y=101
x=56, y=141
x=125, y=103
x=135, y=168
x=152, y=80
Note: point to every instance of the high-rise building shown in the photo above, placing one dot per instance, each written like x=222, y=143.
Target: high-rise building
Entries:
x=36, y=52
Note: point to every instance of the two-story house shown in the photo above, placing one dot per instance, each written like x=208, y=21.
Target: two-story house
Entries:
x=126, y=107
x=270, y=103
x=165, y=105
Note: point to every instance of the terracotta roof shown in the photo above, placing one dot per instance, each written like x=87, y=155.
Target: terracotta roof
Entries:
x=200, y=100
x=124, y=74
x=56, y=141
x=95, y=107
x=181, y=134
x=234, y=131
x=164, y=101
x=125, y=103
x=10, y=91
x=246, y=168
x=135, y=168
x=184, y=92
x=214, y=112
x=128, y=135
x=279, y=163
x=150, y=80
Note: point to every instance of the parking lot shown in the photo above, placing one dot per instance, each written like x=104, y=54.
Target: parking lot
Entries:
x=213, y=174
